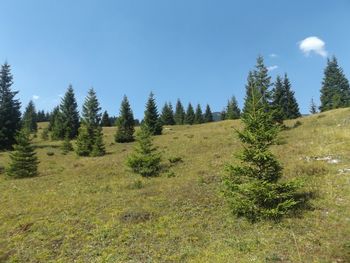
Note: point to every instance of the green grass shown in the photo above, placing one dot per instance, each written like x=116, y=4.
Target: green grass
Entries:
x=96, y=210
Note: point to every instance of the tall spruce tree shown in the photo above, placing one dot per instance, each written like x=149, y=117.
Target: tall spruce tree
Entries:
x=261, y=80
x=10, y=115
x=125, y=123
x=335, y=90
x=190, y=116
x=151, y=119
x=179, y=113
x=167, y=116
x=145, y=159
x=69, y=113
x=208, y=115
x=313, y=107
x=291, y=106
x=23, y=160
x=198, y=117
x=252, y=187
x=232, y=110
x=279, y=101
x=91, y=115
x=91, y=134
x=29, y=120
x=105, y=120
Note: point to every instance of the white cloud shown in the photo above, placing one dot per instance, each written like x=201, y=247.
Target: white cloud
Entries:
x=271, y=68
x=273, y=55
x=35, y=97
x=313, y=44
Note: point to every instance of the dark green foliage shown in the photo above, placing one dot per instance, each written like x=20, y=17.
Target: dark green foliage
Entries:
x=259, y=79
x=198, y=118
x=284, y=103
x=56, y=127
x=167, y=116
x=91, y=115
x=125, y=123
x=24, y=162
x=98, y=147
x=29, y=120
x=179, y=113
x=232, y=110
x=105, y=121
x=208, y=115
x=223, y=115
x=190, y=116
x=90, y=138
x=279, y=101
x=69, y=114
x=253, y=188
x=66, y=145
x=41, y=116
x=151, y=119
x=84, y=141
x=145, y=160
x=10, y=115
x=313, y=107
x=291, y=108
x=335, y=91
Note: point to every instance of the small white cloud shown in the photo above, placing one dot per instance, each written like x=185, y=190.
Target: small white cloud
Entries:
x=271, y=68
x=313, y=44
x=35, y=97
x=273, y=55
x=60, y=95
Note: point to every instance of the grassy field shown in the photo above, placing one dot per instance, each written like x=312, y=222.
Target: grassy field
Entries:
x=96, y=210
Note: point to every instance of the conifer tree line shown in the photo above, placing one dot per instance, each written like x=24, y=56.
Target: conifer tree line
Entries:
x=64, y=120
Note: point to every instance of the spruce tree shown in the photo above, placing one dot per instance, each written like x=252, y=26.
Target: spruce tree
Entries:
x=190, y=116
x=208, y=115
x=167, y=116
x=92, y=132
x=67, y=145
x=198, y=118
x=145, y=159
x=69, y=114
x=23, y=160
x=10, y=115
x=105, y=120
x=84, y=141
x=313, y=107
x=291, y=106
x=125, y=123
x=335, y=90
x=29, y=120
x=279, y=101
x=252, y=187
x=260, y=79
x=151, y=119
x=179, y=113
x=56, y=127
x=98, y=147
x=232, y=110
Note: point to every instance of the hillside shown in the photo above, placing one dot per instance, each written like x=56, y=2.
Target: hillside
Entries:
x=95, y=210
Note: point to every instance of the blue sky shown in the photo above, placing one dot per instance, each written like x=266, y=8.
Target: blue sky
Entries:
x=195, y=50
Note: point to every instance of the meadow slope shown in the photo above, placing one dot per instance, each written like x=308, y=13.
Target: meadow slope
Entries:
x=95, y=210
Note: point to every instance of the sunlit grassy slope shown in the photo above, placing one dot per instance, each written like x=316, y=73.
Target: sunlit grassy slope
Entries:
x=95, y=210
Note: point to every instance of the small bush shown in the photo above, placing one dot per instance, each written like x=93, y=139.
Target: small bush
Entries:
x=2, y=169
x=50, y=153
x=45, y=134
